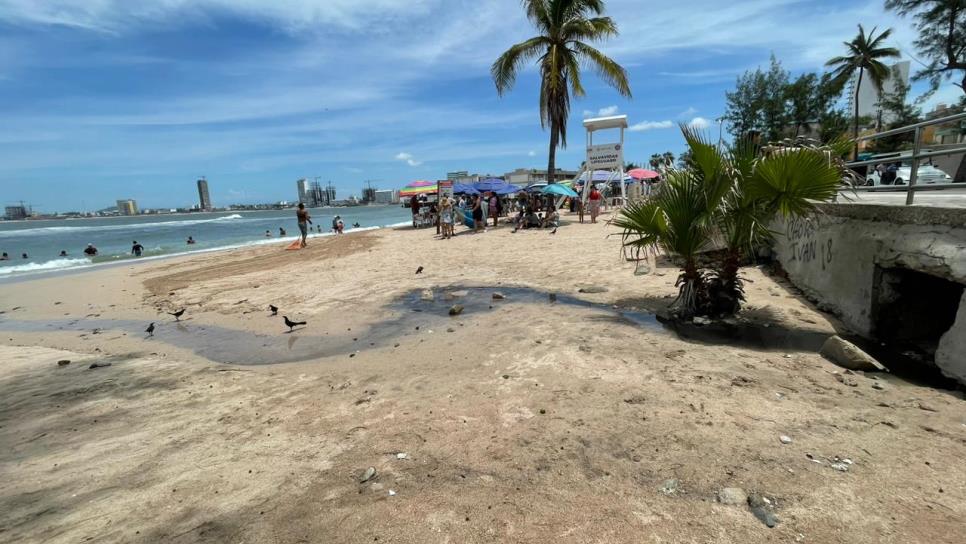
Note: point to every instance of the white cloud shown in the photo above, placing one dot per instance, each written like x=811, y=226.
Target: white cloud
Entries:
x=602, y=112
x=408, y=158
x=699, y=123
x=531, y=153
x=650, y=125
x=687, y=113
x=609, y=110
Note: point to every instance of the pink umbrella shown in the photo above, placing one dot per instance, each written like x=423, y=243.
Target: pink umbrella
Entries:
x=642, y=173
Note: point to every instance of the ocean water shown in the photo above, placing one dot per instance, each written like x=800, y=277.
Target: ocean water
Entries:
x=164, y=235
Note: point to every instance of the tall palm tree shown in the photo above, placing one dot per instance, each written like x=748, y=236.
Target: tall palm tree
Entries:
x=565, y=27
x=864, y=54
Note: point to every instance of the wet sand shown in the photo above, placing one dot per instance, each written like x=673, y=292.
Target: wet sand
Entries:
x=521, y=420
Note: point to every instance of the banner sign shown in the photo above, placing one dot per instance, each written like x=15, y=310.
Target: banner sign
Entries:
x=445, y=188
x=604, y=156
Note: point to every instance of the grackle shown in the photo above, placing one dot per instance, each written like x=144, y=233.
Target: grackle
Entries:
x=150, y=329
x=273, y=308
x=292, y=324
x=419, y=270
x=177, y=315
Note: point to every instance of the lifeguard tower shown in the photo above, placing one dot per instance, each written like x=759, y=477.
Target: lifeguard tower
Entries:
x=607, y=157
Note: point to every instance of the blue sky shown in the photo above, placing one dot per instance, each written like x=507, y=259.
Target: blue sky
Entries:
x=108, y=99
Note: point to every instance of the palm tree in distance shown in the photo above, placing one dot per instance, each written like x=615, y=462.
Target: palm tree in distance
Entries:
x=565, y=27
x=864, y=52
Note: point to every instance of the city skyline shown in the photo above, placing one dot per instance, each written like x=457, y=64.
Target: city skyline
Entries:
x=101, y=100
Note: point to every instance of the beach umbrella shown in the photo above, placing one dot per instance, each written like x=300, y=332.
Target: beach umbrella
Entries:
x=464, y=188
x=495, y=185
x=559, y=189
x=642, y=173
x=535, y=187
x=419, y=187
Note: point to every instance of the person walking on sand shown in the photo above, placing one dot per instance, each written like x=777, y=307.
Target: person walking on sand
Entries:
x=477, y=213
x=494, y=208
x=304, y=220
x=595, y=198
x=484, y=207
x=136, y=248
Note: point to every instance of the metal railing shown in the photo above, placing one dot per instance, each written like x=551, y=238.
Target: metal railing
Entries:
x=917, y=155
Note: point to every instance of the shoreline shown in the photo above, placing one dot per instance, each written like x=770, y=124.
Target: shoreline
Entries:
x=17, y=276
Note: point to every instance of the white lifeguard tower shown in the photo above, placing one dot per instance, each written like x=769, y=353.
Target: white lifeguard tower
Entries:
x=608, y=157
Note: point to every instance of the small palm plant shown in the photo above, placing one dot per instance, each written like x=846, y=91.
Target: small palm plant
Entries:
x=725, y=200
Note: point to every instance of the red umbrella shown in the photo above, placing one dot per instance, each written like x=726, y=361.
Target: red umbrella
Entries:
x=642, y=173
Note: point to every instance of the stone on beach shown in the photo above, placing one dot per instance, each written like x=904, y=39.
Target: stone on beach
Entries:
x=848, y=355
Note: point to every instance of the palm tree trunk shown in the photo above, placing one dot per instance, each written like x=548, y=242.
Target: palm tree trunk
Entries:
x=855, y=114
x=552, y=157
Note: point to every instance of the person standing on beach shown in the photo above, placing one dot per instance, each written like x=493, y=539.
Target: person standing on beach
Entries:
x=304, y=219
x=484, y=207
x=494, y=208
x=477, y=213
x=414, y=207
x=595, y=198
x=136, y=248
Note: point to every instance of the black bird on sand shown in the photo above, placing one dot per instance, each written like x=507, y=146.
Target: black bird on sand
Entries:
x=419, y=270
x=292, y=324
x=177, y=315
x=150, y=329
x=273, y=308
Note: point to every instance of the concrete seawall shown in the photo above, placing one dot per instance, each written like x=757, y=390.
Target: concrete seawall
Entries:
x=890, y=273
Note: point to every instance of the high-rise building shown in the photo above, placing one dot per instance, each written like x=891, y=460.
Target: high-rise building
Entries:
x=385, y=196
x=127, y=207
x=303, y=188
x=869, y=96
x=204, y=199
x=316, y=195
x=14, y=213
x=329, y=194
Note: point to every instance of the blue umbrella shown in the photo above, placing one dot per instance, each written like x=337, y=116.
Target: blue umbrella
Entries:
x=464, y=188
x=558, y=189
x=496, y=185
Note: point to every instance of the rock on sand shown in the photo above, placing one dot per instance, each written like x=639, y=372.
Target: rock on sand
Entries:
x=848, y=355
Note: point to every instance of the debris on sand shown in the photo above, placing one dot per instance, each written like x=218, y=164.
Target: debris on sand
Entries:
x=98, y=365
x=63, y=362
x=785, y=439
x=456, y=309
x=670, y=487
x=759, y=506
x=369, y=474
x=498, y=296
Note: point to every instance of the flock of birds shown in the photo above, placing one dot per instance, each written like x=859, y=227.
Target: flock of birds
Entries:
x=274, y=309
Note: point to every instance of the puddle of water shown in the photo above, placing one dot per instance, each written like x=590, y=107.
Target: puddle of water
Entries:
x=411, y=310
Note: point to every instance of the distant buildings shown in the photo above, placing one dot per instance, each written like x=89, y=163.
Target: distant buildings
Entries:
x=526, y=176
x=15, y=213
x=311, y=194
x=386, y=196
x=127, y=207
x=455, y=176
x=204, y=199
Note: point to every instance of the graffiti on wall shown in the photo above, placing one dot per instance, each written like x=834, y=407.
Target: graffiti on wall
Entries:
x=805, y=244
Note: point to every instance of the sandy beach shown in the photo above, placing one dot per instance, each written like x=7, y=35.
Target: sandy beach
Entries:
x=560, y=410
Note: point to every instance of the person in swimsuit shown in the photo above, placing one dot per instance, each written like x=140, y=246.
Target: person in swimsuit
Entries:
x=304, y=220
x=477, y=213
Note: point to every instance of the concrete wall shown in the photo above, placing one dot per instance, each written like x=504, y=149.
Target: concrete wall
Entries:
x=833, y=255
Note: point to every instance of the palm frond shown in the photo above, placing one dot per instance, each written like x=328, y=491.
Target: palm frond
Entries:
x=607, y=68
x=504, y=69
x=791, y=181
